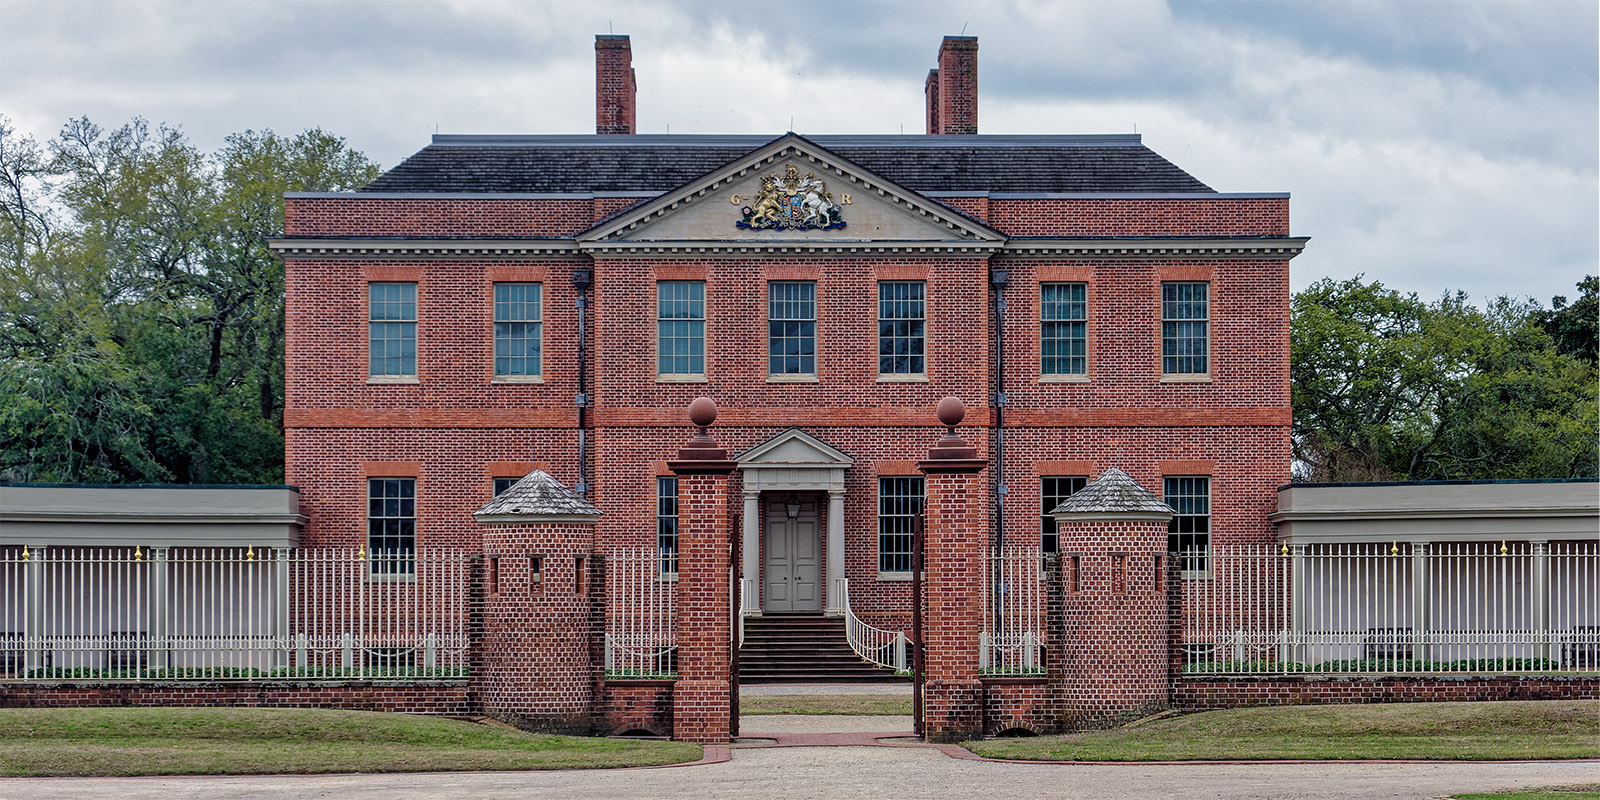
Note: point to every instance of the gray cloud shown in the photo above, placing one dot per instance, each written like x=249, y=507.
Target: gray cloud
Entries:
x=1429, y=144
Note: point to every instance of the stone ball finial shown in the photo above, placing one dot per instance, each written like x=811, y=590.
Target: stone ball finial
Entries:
x=951, y=411
x=703, y=412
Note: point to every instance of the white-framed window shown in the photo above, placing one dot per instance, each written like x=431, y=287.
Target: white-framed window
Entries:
x=1063, y=329
x=1189, y=532
x=391, y=329
x=901, y=322
x=681, y=327
x=502, y=484
x=392, y=525
x=792, y=328
x=1185, y=317
x=899, y=503
x=518, y=329
x=667, y=525
x=1053, y=489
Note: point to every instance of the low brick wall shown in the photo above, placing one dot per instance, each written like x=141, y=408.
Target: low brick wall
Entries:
x=1019, y=704
x=633, y=706
x=1288, y=690
x=433, y=697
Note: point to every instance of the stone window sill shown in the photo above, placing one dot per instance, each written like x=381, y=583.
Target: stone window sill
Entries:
x=894, y=576
x=377, y=380
x=514, y=379
x=1202, y=377
x=792, y=379
x=1063, y=379
x=681, y=378
x=908, y=378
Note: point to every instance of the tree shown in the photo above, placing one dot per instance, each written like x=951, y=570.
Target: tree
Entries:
x=1388, y=387
x=1576, y=327
x=143, y=329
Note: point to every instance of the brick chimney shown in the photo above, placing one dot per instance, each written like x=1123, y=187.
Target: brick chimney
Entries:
x=614, y=85
x=952, y=89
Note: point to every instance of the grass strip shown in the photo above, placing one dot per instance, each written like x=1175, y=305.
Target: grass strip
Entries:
x=851, y=704
x=254, y=741
x=1547, y=729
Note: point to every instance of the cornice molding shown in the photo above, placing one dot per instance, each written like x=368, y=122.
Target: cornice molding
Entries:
x=1263, y=247
x=736, y=249
x=359, y=247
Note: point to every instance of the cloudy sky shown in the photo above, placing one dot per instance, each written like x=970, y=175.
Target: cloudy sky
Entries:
x=1431, y=145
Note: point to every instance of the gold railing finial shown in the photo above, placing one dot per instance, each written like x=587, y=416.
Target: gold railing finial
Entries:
x=250, y=555
x=1503, y=548
x=361, y=555
x=25, y=554
x=1285, y=550
x=1394, y=549
x=138, y=553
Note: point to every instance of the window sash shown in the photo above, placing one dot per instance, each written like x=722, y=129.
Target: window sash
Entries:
x=518, y=329
x=391, y=525
x=1063, y=329
x=667, y=525
x=901, y=327
x=1189, y=532
x=680, y=328
x=1185, y=321
x=792, y=328
x=391, y=329
x=1053, y=489
x=899, y=502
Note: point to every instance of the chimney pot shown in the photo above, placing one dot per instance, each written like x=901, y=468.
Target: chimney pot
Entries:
x=614, y=85
x=956, y=85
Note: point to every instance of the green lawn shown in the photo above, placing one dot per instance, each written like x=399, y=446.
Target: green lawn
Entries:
x=218, y=741
x=1546, y=729
x=856, y=704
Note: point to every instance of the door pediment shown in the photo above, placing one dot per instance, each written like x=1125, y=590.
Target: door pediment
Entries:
x=792, y=449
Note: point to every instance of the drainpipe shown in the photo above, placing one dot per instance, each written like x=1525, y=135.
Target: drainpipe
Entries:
x=998, y=279
x=582, y=279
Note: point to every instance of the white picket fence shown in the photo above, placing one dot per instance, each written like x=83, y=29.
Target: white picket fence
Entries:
x=641, y=616
x=1396, y=608
x=1013, y=637
x=246, y=613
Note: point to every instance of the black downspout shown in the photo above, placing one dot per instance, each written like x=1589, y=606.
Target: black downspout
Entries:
x=582, y=279
x=998, y=279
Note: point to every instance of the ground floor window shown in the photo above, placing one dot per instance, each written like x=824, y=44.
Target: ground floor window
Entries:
x=392, y=525
x=1189, y=532
x=899, y=502
x=1055, y=489
x=667, y=525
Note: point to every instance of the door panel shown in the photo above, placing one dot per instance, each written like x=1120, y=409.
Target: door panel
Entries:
x=791, y=559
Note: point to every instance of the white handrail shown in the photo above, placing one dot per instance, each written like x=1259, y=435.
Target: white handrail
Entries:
x=882, y=647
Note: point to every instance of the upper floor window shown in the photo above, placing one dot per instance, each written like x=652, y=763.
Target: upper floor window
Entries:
x=667, y=525
x=899, y=503
x=901, y=320
x=681, y=328
x=792, y=328
x=392, y=525
x=1063, y=338
x=518, y=323
x=1189, y=532
x=1184, y=318
x=502, y=484
x=392, y=329
x=1053, y=490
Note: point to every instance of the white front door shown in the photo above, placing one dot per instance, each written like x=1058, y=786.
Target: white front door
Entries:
x=791, y=557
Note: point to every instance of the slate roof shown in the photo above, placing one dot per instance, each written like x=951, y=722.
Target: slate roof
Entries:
x=538, y=493
x=651, y=163
x=1111, y=493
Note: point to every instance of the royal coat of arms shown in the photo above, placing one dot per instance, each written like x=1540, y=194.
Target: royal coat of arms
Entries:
x=792, y=203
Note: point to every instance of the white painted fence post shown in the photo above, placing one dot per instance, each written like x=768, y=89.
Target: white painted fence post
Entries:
x=347, y=643
x=281, y=599
x=300, y=646
x=160, y=610
x=1541, y=599
x=1421, y=607
x=34, y=650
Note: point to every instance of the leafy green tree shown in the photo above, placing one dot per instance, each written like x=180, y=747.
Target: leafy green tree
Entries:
x=1388, y=387
x=1576, y=327
x=142, y=318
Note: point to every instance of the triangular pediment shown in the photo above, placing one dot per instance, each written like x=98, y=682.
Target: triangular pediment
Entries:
x=795, y=192
x=793, y=448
